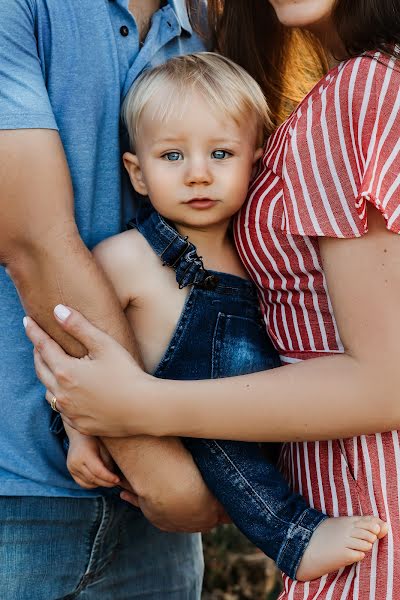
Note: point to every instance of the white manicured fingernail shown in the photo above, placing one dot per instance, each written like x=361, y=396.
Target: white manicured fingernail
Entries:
x=25, y=322
x=62, y=312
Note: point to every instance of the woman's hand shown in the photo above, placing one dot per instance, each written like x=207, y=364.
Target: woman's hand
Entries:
x=94, y=394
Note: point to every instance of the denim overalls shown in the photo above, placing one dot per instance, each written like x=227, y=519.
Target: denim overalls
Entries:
x=220, y=334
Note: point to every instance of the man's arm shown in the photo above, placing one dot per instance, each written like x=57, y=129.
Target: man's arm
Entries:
x=39, y=240
x=41, y=248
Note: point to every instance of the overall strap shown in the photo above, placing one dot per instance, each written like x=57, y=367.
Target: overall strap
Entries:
x=174, y=250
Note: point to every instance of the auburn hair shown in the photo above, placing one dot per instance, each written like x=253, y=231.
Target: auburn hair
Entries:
x=286, y=63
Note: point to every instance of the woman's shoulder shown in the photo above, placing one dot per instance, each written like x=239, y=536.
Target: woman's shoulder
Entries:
x=352, y=91
x=339, y=150
x=346, y=86
x=344, y=106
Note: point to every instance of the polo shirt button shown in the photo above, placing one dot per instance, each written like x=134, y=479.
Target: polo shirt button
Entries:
x=124, y=31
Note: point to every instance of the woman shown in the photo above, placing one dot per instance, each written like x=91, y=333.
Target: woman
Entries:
x=329, y=175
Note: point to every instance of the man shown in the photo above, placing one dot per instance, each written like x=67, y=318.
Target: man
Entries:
x=65, y=67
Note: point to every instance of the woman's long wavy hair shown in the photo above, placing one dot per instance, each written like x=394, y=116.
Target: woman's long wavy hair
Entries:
x=288, y=62
x=368, y=25
x=285, y=62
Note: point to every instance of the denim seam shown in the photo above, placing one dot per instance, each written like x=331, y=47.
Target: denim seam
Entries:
x=93, y=578
x=86, y=580
x=216, y=346
x=300, y=524
x=292, y=533
x=248, y=485
x=90, y=549
x=177, y=334
x=288, y=539
x=105, y=517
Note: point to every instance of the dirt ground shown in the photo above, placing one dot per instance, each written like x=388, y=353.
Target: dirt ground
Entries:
x=235, y=569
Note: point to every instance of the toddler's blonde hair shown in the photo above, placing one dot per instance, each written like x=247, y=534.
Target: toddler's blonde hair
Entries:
x=226, y=87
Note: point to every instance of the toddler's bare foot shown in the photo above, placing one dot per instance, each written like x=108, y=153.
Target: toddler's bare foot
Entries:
x=339, y=542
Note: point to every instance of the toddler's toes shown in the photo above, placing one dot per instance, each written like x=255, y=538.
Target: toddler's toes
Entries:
x=384, y=529
x=359, y=545
x=339, y=542
x=364, y=534
x=373, y=524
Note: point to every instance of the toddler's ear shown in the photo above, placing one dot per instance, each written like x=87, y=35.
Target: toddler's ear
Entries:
x=257, y=155
x=132, y=165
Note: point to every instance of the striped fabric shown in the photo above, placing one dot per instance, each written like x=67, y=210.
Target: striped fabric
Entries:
x=338, y=151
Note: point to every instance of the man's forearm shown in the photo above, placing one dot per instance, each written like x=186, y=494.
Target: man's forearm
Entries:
x=41, y=248
x=61, y=270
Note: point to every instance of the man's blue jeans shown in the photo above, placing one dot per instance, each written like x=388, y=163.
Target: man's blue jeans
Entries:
x=92, y=549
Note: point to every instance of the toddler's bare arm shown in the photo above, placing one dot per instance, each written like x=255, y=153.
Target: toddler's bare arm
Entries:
x=168, y=486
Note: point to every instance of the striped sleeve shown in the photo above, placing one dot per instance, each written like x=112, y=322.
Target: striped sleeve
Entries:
x=344, y=151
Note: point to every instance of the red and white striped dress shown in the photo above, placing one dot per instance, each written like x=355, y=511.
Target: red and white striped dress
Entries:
x=338, y=150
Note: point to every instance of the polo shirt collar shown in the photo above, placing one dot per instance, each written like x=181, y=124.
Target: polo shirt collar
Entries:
x=179, y=8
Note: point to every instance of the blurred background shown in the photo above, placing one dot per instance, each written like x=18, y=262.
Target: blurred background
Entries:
x=237, y=570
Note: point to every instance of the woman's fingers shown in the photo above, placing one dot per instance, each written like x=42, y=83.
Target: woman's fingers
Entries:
x=85, y=389
x=50, y=396
x=50, y=351
x=77, y=326
x=45, y=375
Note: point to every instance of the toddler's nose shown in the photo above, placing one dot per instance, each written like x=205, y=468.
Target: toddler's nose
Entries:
x=198, y=172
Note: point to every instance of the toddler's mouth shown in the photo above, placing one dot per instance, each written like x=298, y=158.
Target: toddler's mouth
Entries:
x=201, y=202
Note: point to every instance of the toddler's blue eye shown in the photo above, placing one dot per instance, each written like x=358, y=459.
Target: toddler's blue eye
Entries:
x=173, y=156
x=220, y=154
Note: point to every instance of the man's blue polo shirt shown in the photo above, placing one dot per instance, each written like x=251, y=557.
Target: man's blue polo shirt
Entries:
x=67, y=65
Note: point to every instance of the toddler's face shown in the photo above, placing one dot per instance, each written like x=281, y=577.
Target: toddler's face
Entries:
x=196, y=164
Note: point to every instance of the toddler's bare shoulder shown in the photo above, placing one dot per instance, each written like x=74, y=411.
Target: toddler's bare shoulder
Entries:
x=128, y=250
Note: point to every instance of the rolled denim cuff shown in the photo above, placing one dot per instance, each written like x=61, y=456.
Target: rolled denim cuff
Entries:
x=297, y=540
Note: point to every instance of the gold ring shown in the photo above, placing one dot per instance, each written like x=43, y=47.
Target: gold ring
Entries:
x=53, y=404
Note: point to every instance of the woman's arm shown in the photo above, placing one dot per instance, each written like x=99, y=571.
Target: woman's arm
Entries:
x=324, y=398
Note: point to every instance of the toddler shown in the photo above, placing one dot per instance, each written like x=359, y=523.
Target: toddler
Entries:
x=196, y=127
